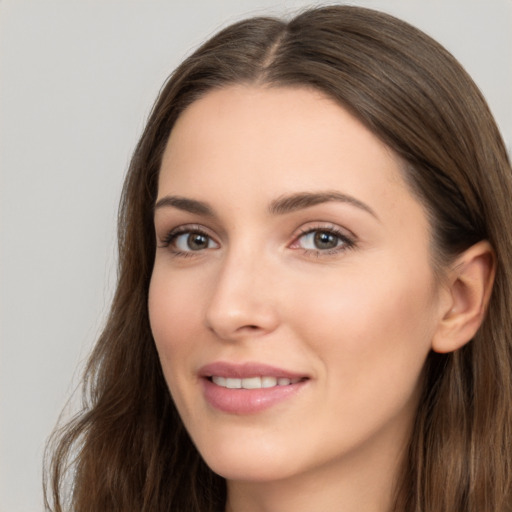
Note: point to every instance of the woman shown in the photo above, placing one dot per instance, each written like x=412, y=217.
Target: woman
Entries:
x=312, y=305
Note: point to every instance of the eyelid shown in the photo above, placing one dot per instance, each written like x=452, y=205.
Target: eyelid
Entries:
x=345, y=235
x=173, y=233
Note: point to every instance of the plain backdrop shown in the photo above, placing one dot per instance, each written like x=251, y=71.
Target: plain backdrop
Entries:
x=77, y=80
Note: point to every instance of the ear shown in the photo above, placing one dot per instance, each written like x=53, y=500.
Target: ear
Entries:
x=469, y=287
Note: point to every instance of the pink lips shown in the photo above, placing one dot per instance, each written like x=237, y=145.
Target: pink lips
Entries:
x=247, y=401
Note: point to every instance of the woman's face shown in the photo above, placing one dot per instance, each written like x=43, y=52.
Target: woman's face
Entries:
x=292, y=301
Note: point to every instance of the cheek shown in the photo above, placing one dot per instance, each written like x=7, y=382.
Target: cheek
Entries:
x=175, y=319
x=371, y=345
x=369, y=330
x=174, y=315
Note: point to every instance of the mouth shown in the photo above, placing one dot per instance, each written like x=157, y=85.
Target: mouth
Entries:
x=248, y=388
x=253, y=382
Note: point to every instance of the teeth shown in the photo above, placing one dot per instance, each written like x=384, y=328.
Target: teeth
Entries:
x=220, y=381
x=268, y=382
x=252, y=382
x=233, y=383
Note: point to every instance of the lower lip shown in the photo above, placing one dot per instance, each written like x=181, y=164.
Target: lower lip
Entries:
x=247, y=401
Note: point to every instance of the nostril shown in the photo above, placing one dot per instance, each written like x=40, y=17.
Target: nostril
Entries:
x=248, y=328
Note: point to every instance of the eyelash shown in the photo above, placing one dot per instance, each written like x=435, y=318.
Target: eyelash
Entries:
x=171, y=237
x=345, y=241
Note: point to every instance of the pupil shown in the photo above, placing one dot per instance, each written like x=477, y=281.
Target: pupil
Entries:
x=325, y=240
x=197, y=241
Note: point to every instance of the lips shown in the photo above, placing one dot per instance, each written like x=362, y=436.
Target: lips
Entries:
x=248, y=388
x=252, y=382
x=247, y=370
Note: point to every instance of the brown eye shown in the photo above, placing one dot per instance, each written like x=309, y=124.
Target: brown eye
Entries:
x=197, y=241
x=192, y=241
x=321, y=240
x=325, y=240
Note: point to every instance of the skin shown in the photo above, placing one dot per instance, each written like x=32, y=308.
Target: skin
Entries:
x=358, y=319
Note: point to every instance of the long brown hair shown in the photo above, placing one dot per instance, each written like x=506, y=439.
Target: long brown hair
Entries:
x=128, y=450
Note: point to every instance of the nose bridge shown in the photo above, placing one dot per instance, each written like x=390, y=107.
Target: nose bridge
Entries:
x=242, y=301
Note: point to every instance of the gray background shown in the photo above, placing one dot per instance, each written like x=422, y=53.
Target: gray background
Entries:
x=77, y=80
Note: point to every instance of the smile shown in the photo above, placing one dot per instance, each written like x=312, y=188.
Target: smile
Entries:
x=249, y=388
x=253, y=382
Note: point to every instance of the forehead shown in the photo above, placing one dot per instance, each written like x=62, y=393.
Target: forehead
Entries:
x=248, y=144
x=291, y=130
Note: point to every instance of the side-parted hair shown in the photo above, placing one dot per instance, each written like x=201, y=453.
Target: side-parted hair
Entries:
x=127, y=450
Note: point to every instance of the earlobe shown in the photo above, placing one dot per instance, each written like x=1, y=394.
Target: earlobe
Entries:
x=469, y=288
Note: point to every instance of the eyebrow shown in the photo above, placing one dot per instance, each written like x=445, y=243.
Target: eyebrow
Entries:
x=185, y=204
x=279, y=206
x=299, y=201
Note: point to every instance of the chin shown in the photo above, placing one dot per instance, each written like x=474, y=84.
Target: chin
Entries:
x=250, y=472
x=249, y=463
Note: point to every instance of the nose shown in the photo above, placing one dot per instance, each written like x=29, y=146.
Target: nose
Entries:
x=243, y=301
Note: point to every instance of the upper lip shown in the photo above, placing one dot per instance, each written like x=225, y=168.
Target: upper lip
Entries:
x=246, y=370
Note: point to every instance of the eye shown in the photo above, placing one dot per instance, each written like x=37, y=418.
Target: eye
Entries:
x=193, y=241
x=322, y=241
x=185, y=240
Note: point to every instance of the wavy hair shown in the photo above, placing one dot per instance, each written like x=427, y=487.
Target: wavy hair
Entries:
x=127, y=450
